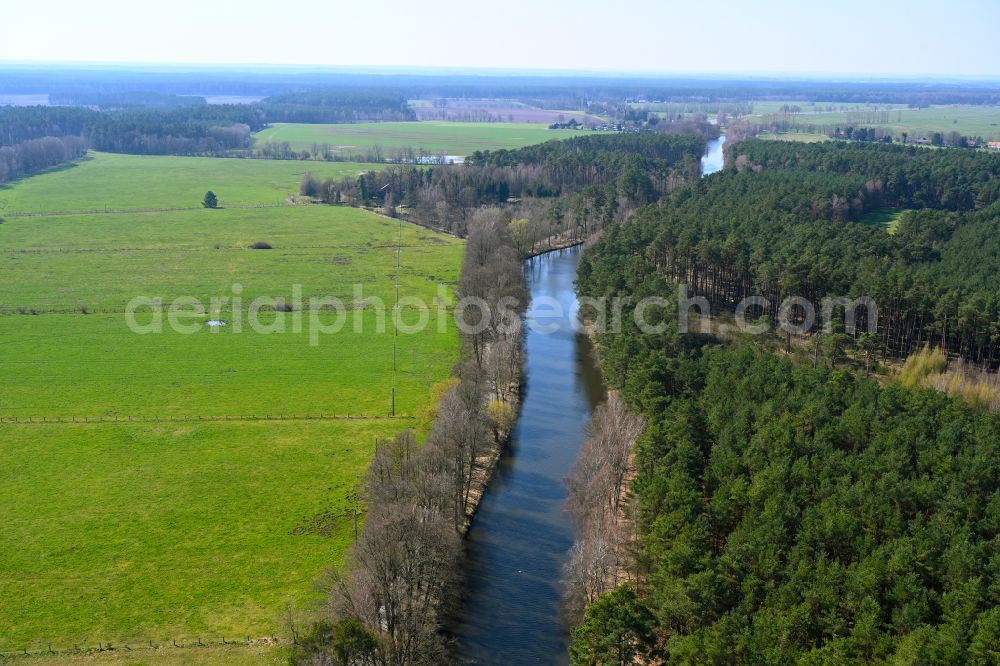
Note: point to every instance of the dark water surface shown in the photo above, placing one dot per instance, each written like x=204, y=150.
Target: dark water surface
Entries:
x=521, y=535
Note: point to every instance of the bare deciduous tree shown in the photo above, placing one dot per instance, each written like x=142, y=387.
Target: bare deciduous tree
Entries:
x=596, y=487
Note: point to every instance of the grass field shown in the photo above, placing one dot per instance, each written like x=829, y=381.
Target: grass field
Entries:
x=801, y=137
x=889, y=218
x=104, y=260
x=193, y=527
x=106, y=181
x=125, y=533
x=448, y=138
x=775, y=106
x=968, y=120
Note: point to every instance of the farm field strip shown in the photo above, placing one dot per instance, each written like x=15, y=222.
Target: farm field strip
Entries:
x=121, y=182
x=123, y=211
x=188, y=263
x=434, y=137
x=57, y=420
x=109, y=371
x=802, y=137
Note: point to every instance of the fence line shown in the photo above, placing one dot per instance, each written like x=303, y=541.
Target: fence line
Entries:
x=7, y=311
x=50, y=648
x=53, y=420
x=120, y=211
x=231, y=248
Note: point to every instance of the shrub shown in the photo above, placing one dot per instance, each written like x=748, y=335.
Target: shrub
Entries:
x=921, y=365
x=502, y=414
x=261, y=245
x=310, y=185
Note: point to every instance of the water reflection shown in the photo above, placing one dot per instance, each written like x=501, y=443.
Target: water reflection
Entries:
x=712, y=161
x=522, y=534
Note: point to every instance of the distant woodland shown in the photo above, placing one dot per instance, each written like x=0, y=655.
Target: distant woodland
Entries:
x=155, y=124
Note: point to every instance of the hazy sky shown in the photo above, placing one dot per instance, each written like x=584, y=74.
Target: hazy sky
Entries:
x=859, y=37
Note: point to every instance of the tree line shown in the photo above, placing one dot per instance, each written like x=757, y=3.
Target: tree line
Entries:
x=597, y=488
x=152, y=123
x=21, y=123
x=205, y=129
x=34, y=155
x=200, y=130
x=571, y=187
x=377, y=154
x=403, y=574
x=337, y=106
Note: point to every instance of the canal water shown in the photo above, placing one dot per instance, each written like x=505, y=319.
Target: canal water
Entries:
x=521, y=534
x=712, y=160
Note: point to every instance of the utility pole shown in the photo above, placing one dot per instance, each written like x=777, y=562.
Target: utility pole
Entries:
x=395, y=323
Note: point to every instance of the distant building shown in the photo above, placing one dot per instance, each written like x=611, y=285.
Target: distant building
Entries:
x=993, y=145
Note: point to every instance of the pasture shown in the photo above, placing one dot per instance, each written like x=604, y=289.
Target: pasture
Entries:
x=760, y=107
x=134, y=532
x=982, y=121
x=102, y=261
x=192, y=485
x=801, y=137
x=433, y=137
x=107, y=181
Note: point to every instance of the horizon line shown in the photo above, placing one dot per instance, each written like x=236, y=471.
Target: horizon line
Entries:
x=540, y=72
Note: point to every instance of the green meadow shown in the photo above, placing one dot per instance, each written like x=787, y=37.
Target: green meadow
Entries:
x=193, y=526
x=106, y=181
x=801, y=137
x=129, y=533
x=888, y=218
x=968, y=120
x=102, y=261
x=435, y=137
x=94, y=366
